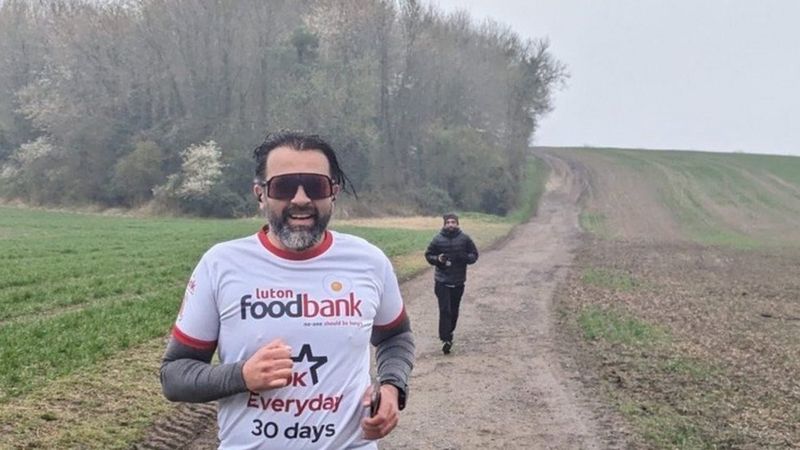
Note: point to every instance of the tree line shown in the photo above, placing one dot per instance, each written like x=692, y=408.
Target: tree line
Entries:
x=127, y=103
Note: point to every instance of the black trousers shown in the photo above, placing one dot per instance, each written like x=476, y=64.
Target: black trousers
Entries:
x=449, y=298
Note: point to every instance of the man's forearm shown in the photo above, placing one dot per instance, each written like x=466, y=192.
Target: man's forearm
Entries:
x=433, y=259
x=188, y=376
x=395, y=359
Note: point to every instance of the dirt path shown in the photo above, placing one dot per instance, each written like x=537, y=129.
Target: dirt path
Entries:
x=507, y=383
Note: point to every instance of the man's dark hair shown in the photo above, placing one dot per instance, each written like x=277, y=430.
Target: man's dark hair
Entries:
x=450, y=215
x=299, y=140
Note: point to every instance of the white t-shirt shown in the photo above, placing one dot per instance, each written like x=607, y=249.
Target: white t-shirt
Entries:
x=323, y=303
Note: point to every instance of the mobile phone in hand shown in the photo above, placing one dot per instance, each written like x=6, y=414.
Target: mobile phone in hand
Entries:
x=375, y=400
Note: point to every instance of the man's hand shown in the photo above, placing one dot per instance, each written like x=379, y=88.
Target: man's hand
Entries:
x=269, y=368
x=386, y=419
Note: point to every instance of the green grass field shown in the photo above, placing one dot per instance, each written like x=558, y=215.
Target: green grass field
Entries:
x=76, y=289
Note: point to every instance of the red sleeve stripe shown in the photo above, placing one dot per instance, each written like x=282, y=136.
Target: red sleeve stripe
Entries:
x=185, y=339
x=396, y=322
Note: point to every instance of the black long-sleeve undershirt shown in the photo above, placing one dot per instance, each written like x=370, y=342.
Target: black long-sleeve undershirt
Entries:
x=187, y=374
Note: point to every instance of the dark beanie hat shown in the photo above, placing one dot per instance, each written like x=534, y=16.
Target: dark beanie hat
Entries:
x=450, y=215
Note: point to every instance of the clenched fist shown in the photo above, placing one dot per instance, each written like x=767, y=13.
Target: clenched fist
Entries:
x=269, y=368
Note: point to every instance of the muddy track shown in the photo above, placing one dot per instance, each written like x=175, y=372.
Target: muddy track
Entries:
x=509, y=383
x=181, y=429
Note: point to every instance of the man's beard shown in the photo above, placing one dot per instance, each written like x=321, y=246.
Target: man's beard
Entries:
x=298, y=238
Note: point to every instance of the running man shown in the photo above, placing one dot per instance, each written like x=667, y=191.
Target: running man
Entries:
x=291, y=311
x=450, y=252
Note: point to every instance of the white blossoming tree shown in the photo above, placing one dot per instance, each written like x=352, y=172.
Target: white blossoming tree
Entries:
x=197, y=188
x=201, y=170
x=34, y=172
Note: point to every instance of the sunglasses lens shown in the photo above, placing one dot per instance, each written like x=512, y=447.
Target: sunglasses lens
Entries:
x=284, y=187
x=317, y=187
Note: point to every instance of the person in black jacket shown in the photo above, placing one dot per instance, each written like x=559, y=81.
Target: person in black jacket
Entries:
x=450, y=251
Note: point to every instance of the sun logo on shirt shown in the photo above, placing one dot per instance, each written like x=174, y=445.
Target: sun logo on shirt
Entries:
x=336, y=286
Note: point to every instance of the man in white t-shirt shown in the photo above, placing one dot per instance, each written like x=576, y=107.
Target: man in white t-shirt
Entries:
x=291, y=312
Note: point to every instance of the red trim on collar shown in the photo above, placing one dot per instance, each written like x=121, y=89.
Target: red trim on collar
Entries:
x=323, y=246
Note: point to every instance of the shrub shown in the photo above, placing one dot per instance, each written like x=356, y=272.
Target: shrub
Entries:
x=432, y=199
x=137, y=173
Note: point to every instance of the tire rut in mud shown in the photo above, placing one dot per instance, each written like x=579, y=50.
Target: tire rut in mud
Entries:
x=179, y=429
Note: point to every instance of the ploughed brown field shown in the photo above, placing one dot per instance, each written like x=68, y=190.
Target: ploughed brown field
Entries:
x=689, y=294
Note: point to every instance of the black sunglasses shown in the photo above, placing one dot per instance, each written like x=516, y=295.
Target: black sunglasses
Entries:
x=284, y=187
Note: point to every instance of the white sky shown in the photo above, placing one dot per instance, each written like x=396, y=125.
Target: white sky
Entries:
x=715, y=75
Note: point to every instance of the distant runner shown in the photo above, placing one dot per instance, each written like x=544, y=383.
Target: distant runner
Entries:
x=291, y=312
x=450, y=251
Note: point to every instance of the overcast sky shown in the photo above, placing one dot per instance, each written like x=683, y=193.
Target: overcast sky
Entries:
x=717, y=75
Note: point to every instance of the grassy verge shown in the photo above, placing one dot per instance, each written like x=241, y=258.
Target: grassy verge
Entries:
x=615, y=327
x=608, y=278
x=104, y=405
x=533, y=187
x=594, y=223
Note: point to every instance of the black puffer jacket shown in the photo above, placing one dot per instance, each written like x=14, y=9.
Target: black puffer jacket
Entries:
x=458, y=248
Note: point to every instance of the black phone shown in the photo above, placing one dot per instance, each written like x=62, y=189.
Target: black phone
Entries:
x=375, y=400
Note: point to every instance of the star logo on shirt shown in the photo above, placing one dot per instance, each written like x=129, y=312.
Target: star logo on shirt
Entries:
x=305, y=354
